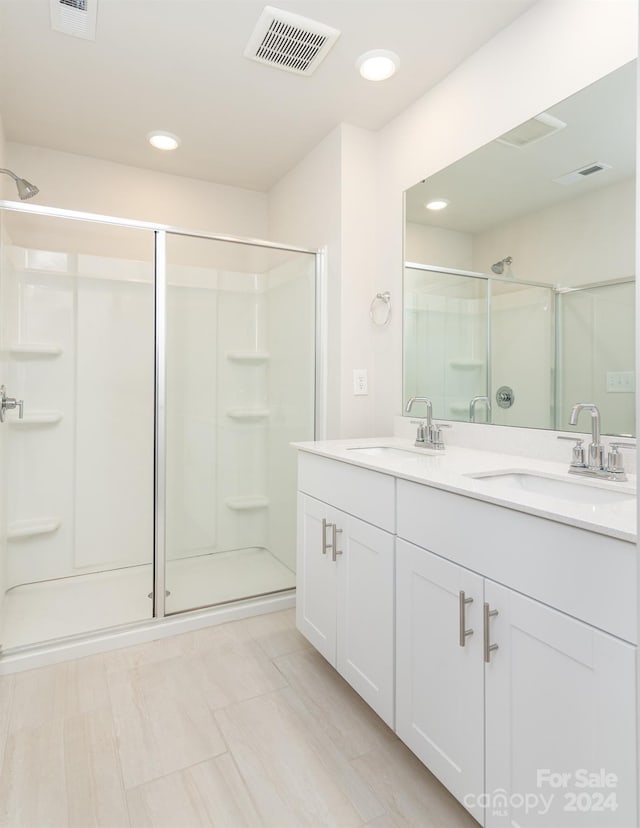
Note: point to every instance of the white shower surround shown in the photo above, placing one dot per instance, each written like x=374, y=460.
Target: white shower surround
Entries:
x=87, y=322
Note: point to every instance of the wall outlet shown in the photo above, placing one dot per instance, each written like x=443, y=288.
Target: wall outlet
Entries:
x=621, y=382
x=360, y=382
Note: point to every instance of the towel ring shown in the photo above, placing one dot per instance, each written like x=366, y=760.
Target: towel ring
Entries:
x=386, y=299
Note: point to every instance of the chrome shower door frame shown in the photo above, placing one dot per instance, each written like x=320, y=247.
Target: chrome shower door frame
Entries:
x=160, y=232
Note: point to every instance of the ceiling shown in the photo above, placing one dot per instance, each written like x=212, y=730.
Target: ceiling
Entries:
x=497, y=182
x=178, y=65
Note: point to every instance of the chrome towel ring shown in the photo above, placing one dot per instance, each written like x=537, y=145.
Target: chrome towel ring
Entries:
x=380, y=313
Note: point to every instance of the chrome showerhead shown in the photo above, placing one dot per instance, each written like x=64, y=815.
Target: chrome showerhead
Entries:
x=25, y=188
x=498, y=267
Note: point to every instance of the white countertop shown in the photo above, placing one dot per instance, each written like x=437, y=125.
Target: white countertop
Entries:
x=450, y=470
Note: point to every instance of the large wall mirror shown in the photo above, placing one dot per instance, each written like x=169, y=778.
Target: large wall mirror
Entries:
x=519, y=292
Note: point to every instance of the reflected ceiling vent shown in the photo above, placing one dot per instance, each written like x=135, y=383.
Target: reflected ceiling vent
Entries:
x=75, y=17
x=290, y=42
x=582, y=173
x=535, y=129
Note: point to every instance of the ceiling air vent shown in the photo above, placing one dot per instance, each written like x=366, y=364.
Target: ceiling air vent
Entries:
x=75, y=17
x=582, y=173
x=289, y=41
x=535, y=129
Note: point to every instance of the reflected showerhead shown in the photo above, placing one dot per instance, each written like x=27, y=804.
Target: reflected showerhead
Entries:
x=498, y=267
x=25, y=188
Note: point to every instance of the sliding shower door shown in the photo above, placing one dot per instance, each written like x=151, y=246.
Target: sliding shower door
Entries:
x=77, y=473
x=240, y=387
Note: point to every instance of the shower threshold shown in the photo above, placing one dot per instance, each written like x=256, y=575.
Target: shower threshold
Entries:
x=48, y=610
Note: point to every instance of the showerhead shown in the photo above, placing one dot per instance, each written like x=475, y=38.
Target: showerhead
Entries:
x=25, y=188
x=498, y=267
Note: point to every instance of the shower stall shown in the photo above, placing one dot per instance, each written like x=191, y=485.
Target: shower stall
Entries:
x=163, y=374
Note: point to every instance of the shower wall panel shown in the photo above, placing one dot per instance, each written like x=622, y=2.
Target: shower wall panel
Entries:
x=114, y=410
x=192, y=522
x=290, y=301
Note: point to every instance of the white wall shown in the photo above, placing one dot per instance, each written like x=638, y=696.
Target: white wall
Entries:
x=305, y=208
x=588, y=239
x=77, y=182
x=438, y=246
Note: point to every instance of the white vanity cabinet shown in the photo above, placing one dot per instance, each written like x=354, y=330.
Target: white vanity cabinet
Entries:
x=345, y=574
x=554, y=695
x=439, y=683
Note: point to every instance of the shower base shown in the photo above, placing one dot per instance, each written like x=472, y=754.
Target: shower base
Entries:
x=35, y=613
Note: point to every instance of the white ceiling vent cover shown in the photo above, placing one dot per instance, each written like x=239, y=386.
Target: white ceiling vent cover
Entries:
x=535, y=129
x=290, y=42
x=582, y=173
x=75, y=17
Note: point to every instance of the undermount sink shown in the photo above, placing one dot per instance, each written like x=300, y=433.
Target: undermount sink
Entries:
x=592, y=493
x=392, y=452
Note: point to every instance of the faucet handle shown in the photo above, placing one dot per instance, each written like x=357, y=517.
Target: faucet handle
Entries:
x=615, y=466
x=577, y=455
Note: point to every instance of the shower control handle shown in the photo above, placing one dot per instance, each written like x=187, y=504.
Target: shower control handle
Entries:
x=9, y=403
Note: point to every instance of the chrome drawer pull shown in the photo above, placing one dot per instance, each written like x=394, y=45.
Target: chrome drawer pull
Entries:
x=464, y=632
x=488, y=648
x=325, y=525
x=334, y=544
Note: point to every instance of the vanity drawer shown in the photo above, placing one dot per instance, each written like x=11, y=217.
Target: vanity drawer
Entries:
x=584, y=574
x=366, y=494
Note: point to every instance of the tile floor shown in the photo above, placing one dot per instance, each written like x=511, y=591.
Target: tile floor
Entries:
x=236, y=725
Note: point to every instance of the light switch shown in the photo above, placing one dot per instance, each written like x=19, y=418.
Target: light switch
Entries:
x=620, y=382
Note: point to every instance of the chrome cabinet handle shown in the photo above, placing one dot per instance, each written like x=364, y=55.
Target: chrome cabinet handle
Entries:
x=334, y=544
x=464, y=632
x=325, y=525
x=488, y=648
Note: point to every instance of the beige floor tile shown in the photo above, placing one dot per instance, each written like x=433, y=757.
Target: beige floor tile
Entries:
x=32, y=781
x=348, y=721
x=162, y=720
x=412, y=796
x=86, y=687
x=7, y=684
x=211, y=793
x=42, y=697
x=296, y=775
x=95, y=793
x=276, y=633
x=231, y=667
x=128, y=658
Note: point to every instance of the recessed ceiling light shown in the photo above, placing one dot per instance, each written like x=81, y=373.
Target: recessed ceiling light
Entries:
x=437, y=204
x=378, y=64
x=163, y=140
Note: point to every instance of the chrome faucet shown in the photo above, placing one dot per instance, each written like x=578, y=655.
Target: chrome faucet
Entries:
x=472, y=407
x=595, y=465
x=595, y=453
x=429, y=434
x=9, y=403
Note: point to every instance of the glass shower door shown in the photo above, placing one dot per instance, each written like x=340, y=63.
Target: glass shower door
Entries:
x=240, y=387
x=76, y=345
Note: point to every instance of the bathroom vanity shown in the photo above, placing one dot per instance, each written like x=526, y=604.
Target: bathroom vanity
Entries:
x=484, y=605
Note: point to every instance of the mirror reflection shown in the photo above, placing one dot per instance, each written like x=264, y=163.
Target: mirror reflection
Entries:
x=519, y=289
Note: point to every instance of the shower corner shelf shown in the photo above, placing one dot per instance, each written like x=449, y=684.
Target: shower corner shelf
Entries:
x=30, y=528
x=245, y=503
x=248, y=413
x=37, y=418
x=35, y=349
x=248, y=356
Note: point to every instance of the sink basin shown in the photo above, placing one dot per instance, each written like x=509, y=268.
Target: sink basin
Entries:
x=591, y=493
x=392, y=452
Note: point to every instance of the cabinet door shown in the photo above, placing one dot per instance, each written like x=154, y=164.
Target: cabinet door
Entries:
x=560, y=713
x=439, y=684
x=365, y=612
x=316, y=577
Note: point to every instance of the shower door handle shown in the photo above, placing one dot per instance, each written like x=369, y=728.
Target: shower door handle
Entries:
x=9, y=403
